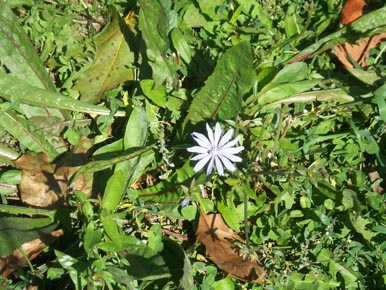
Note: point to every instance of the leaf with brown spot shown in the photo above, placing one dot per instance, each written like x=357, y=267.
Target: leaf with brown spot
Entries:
x=44, y=184
x=348, y=53
x=219, y=241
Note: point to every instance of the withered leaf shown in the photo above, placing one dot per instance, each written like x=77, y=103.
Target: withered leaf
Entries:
x=32, y=249
x=44, y=184
x=348, y=53
x=351, y=11
x=219, y=241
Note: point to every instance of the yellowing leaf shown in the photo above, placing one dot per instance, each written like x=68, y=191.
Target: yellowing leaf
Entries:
x=113, y=65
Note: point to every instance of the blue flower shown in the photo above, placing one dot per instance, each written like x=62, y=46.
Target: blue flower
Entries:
x=217, y=150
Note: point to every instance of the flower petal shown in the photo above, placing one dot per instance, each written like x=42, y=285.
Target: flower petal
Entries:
x=210, y=166
x=231, y=143
x=231, y=157
x=200, y=164
x=201, y=140
x=232, y=150
x=210, y=134
x=227, y=163
x=217, y=134
x=200, y=156
x=197, y=149
x=219, y=167
x=226, y=138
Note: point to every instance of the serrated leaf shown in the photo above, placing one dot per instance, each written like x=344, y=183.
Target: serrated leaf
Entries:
x=155, y=21
x=21, y=92
x=18, y=128
x=368, y=25
x=17, y=53
x=222, y=95
x=113, y=64
x=16, y=210
x=15, y=231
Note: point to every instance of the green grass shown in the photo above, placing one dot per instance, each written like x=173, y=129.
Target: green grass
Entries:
x=115, y=89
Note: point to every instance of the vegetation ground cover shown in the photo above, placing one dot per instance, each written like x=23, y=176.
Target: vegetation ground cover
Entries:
x=99, y=100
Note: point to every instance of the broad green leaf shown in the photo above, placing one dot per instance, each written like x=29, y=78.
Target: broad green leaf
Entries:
x=156, y=19
x=224, y=284
x=92, y=236
x=111, y=230
x=361, y=224
x=136, y=129
x=114, y=191
x=368, y=25
x=179, y=265
x=211, y=8
x=351, y=277
x=193, y=17
x=229, y=216
x=17, y=53
x=18, y=128
x=380, y=95
x=15, y=231
x=156, y=95
x=135, y=136
x=155, y=238
x=223, y=93
x=99, y=165
x=113, y=64
x=169, y=193
x=18, y=210
x=7, y=152
x=368, y=77
x=333, y=95
x=145, y=263
x=181, y=45
x=290, y=73
x=74, y=267
x=282, y=91
x=21, y=92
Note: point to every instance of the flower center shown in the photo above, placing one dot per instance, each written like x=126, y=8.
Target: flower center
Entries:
x=213, y=150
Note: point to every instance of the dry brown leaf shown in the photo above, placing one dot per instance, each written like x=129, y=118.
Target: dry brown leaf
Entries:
x=219, y=241
x=347, y=53
x=44, y=184
x=374, y=176
x=32, y=249
x=351, y=11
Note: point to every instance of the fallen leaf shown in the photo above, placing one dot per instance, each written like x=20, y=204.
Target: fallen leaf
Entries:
x=351, y=11
x=44, y=184
x=31, y=249
x=219, y=241
x=348, y=53
x=39, y=185
x=374, y=176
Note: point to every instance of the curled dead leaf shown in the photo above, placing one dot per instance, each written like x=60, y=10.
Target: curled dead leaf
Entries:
x=219, y=241
x=9, y=263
